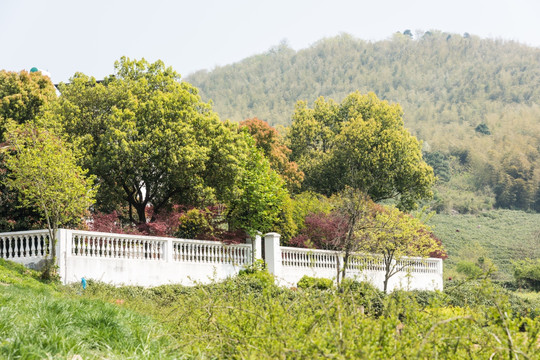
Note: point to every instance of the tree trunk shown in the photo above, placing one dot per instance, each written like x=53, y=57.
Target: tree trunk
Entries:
x=141, y=212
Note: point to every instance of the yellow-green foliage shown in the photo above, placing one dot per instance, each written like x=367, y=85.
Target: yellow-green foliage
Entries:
x=247, y=317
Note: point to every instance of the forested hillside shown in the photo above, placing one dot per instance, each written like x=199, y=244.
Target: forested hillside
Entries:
x=474, y=102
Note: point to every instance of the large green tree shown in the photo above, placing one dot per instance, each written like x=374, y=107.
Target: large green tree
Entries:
x=262, y=195
x=150, y=140
x=360, y=143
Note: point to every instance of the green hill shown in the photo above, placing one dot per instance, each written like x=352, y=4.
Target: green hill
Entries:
x=502, y=236
x=474, y=102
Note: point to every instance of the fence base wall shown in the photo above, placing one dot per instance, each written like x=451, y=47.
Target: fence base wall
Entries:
x=121, y=259
x=145, y=272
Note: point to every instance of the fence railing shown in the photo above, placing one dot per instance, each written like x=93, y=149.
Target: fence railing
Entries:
x=25, y=244
x=211, y=252
x=118, y=246
x=150, y=261
x=314, y=258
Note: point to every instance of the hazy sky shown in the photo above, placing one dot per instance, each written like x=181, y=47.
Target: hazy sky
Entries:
x=88, y=36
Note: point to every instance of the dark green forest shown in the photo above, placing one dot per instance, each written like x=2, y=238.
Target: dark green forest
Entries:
x=473, y=102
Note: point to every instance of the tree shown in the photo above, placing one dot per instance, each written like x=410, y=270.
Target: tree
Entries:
x=150, y=139
x=268, y=140
x=359, y=143
x=262, y=195
x=396, y=235
x=45, y=174
x=22, y=96
x=357, y=226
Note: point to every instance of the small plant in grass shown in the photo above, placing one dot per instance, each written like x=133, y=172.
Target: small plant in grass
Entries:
x=308, y=282
x=258, y=271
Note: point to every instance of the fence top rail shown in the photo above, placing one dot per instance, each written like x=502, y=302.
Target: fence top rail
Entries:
x=308, y=251
x=363, y=255
x=151, y=238
x=26, y=232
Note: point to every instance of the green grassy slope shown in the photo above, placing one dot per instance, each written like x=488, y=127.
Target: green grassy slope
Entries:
x=247, y=317
x=501, y=235
x=39, y=321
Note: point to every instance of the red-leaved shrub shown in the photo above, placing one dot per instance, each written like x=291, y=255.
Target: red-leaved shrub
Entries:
x=321, y=231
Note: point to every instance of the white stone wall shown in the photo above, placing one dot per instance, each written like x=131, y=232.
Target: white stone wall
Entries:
x=151, y=261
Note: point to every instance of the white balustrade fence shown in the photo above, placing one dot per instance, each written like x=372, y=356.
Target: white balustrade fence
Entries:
x=152, y=261
x=416, y=273
x=25, y=247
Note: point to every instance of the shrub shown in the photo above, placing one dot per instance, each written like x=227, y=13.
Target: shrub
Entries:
x=258, y=273
x=527, y=273
x=469, y=269
x=308, y=282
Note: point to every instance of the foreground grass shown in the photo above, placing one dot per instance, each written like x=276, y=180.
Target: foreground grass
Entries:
x=40, y=321
x=247, y=317
x=500, y=235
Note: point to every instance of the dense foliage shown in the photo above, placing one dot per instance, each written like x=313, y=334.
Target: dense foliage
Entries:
x=22, y=96
x=249, y=317
x=360, y=143
x=467, y=98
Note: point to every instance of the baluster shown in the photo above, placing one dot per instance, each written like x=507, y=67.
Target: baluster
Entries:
x=39, y=246
x=90, y=243
x=107, y=247
x=8, y=247
x=23, y=246
x=31, y=246
x=101, y=243
x=73, y=244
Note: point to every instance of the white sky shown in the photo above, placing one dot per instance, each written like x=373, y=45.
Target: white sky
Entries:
x=65, y=36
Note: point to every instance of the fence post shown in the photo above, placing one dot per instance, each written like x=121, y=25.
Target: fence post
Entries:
x=169, y=253
x=63, y=250
x=256, y=247
x=272, y=253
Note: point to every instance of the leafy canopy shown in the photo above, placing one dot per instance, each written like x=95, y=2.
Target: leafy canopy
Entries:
x=360, y=143
x=22, y=96
x=150, y=139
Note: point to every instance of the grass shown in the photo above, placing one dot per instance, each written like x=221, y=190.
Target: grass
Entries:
x=247, y=317
x=500, y=235
x=40, y=321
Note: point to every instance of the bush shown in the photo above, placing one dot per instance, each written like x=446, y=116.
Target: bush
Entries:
x=527, y=273
x=308, y=282
x=365, y=294
x=257, y=272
